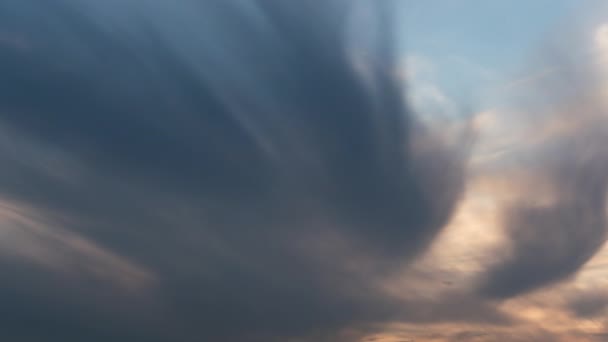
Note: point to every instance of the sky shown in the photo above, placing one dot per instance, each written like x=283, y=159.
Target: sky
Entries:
x=276, y=170
x=475, y=46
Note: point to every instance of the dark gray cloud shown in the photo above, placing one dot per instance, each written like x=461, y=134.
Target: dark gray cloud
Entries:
x=589, y=304
x=215, y=145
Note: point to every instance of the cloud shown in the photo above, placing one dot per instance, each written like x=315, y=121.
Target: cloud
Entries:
x=232, y=171
x=551, y=242
x=589, y=304
x=556, y=228
x=216, y=146
x=424, y=92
